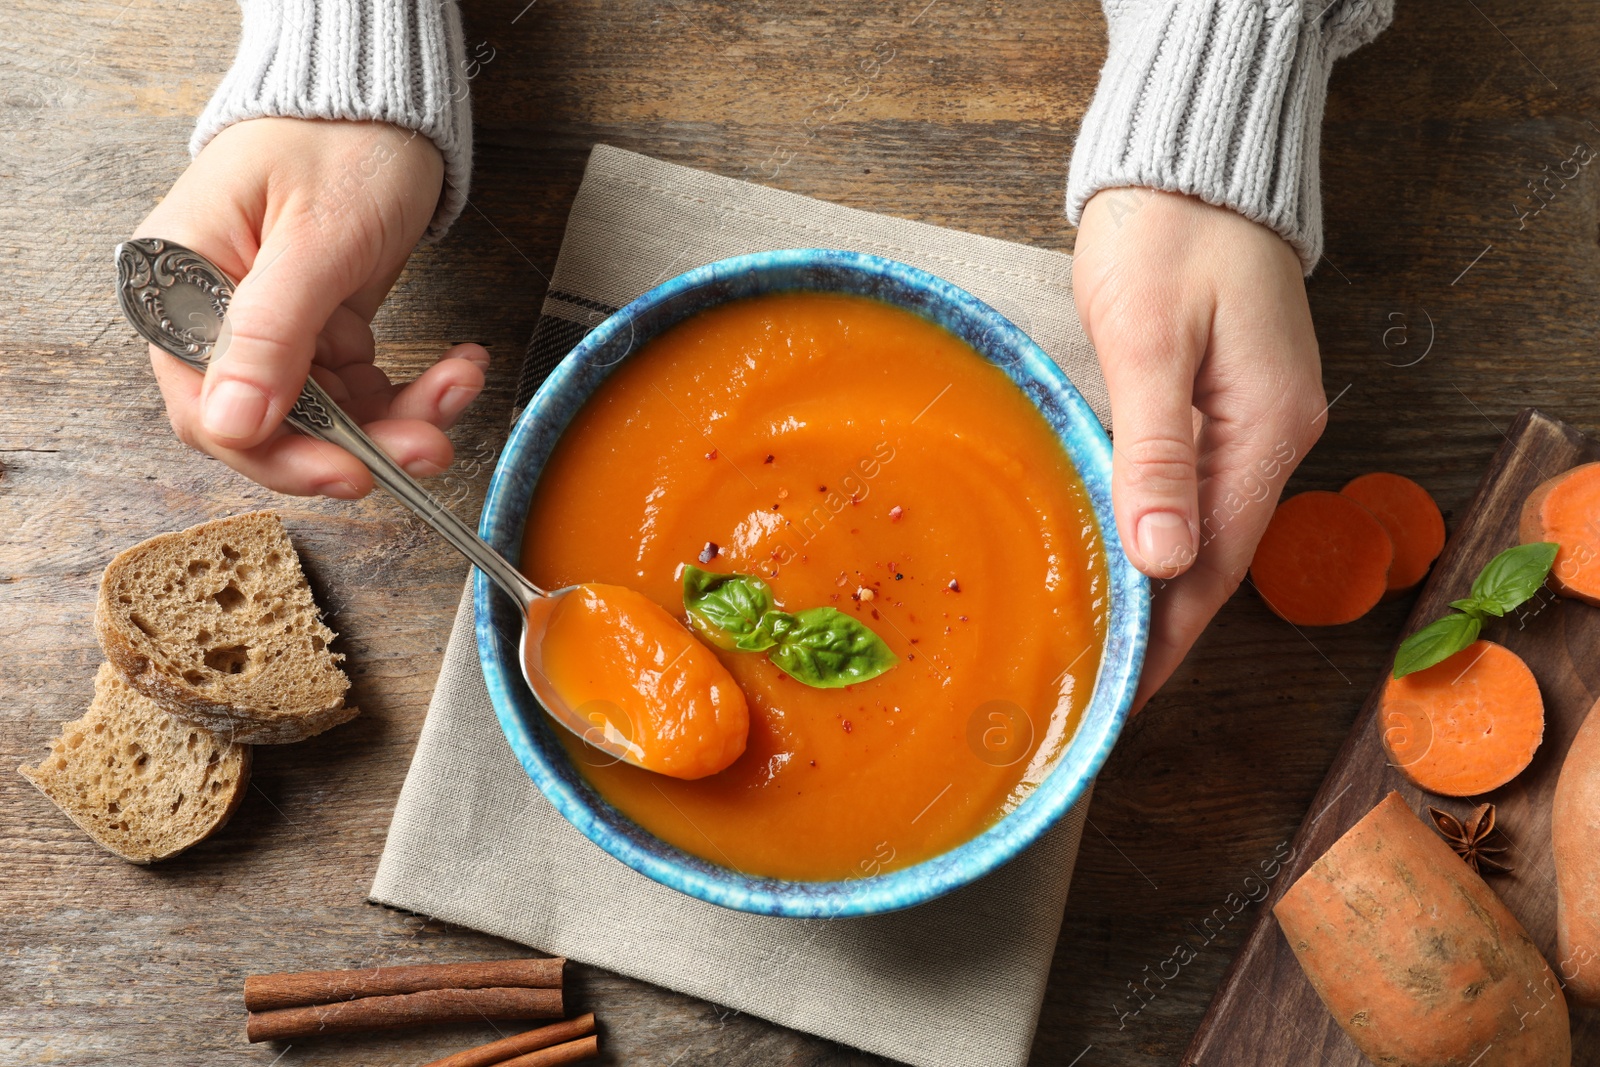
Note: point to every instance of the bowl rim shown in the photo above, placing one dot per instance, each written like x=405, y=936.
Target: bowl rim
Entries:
x=1127, y=613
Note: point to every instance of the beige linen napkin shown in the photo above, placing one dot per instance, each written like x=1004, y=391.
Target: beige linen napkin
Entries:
x=957, y=981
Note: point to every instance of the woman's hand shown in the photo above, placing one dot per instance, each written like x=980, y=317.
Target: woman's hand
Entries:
x=1200, y=321
x=315, y=220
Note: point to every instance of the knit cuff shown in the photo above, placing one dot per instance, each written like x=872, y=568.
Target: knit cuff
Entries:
x=356, y=60
x=1221, y=100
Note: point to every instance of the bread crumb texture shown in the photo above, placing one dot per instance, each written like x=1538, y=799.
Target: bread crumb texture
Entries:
x=142, y=783
x=217, y=624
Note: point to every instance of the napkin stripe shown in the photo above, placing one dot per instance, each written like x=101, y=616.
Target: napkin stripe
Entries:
x=582, y=301
x=565, y=320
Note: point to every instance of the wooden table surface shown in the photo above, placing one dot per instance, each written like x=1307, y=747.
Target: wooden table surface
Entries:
x=1446, y=303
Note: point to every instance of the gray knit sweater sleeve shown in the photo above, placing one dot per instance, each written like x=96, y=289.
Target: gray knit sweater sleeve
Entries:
x=398, y=61
x=1220, y=99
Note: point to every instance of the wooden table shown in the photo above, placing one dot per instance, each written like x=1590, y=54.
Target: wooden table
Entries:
x=1432, y=137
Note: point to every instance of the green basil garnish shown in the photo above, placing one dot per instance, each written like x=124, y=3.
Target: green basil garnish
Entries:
x=1514, y=575
x=822, y=647
x=1436, y=642
x=1505, y=584
x=828, y=649
x=1473, y=606
x=767, y=632
x=726, y=608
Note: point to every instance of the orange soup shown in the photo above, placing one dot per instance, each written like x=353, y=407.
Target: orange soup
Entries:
x=854, y=456
x=643, y=684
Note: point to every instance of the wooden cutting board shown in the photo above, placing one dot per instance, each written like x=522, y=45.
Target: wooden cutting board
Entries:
x=1265, y=1014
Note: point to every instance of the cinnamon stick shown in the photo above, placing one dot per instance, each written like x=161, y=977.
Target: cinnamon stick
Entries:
x=495, y=1053
x=410, y=1009
x=571, y=1052
x=268, y=992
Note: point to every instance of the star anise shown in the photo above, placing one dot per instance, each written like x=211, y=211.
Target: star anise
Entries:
x=1469, y=839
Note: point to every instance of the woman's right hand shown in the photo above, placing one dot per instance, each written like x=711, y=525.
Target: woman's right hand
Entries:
x=1200, y=321
x=315, y=220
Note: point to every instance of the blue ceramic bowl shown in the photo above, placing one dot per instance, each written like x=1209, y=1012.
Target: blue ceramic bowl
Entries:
x=532, y=735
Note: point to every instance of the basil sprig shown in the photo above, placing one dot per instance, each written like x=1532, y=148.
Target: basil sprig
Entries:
x=1510, y=578
x=1503, y=585
x=822, y=647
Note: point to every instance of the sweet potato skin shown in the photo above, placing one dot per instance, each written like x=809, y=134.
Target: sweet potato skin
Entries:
x=1417, y=959
x=1532, y=527
x=1575, y=838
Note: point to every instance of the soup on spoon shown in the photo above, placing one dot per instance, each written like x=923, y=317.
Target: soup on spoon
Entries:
x=659, y=698
x=646, y=685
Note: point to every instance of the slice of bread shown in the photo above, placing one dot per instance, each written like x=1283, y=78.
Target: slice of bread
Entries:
x=217, y=625
x=141, y=783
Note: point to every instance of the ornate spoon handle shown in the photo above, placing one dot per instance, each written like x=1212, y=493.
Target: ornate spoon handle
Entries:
x=176, y=299
x=316, y=415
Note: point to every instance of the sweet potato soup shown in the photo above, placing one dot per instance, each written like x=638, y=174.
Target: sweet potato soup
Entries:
x=852, y=456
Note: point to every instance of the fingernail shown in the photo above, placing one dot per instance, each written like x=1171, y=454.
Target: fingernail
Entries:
x=480, y=357
x=1165, y=541
x=423, y=468
x=455, y=400
x=234, y=409
x=339, y=489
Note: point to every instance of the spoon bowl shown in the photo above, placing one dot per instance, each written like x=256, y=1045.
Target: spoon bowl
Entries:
x=601, y=724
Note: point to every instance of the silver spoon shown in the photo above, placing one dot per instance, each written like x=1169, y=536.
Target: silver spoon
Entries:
x=176, y=299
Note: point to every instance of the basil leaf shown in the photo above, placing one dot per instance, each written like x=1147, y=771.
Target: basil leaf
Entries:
x=827, y=649
x=1474, y=606
x=1435, y=643
x=725, y=608
x=822, y=647
x=767, y=632
x=1514, y=575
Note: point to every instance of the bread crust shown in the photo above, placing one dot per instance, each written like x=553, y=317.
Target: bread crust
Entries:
x=93, y=831
x=230, y=719
x=225, y=720
x=103, y=706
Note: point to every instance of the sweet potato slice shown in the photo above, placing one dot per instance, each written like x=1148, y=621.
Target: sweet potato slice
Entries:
x=1323, y=560
x=1417, y=959
x=1466, y=725
x=1566, y=509
x=1575, y=838
x=1413, y=520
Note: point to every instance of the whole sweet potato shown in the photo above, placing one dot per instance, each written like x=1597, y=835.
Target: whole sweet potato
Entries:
x=1417, y=959
x=1575, y=836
